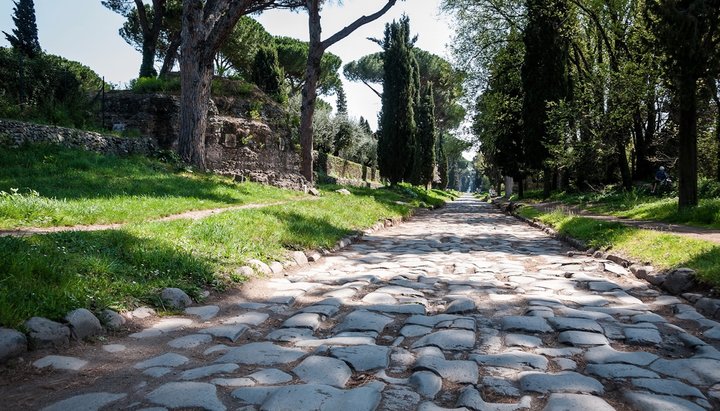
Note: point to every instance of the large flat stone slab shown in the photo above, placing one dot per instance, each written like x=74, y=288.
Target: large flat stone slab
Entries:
x=619, y=371
x=459, y=371
x=311, y=397
x=563, y=382
x=60, y=362
x=667, y=387
x=518, y=360
x=363, y=320
x=86, y=402
x=605, y=354
x=187, y=395
x=164, y=360
x=363, y=357
x=529, y=324
x=316, y=369
x=575, y=324
x=261, y=353
x=696, y=371
x=582, y=338
x=452, y=339
x=471, y=398
x=208, y=370
x=573, y=402
x=643, y=401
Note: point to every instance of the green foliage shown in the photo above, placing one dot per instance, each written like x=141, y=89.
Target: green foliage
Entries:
x=145, y=85
x=237, y=53
x=46, y=89
x=424, y=162
x=293, y=57
x=267, y=74
x=397, y=122
x=24, y=37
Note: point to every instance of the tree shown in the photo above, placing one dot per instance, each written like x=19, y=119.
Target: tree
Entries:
x=397, y=118
x=544, y=78
x=237, y=53
x=267, y=74
x=368, y=70
x=205, y=27
x=313, y=71
x=341, y=104
x=293, y=55
x=24, y=37
x=689, y=37
x=424, y=165
x=149, y=19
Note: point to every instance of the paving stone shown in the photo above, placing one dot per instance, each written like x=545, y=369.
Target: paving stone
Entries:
x=582, y=338
x=43, y=333
x=309, y=397
x=379, y=298
x=261, y=353
x=111, y=319
x=333, y=341
x=323, y=370
x=575, y=324
x=649, y=318
x=574, y=402
x=205, y=312
x=190, y=341
x=208, y=370
x=459, y=371
x=500, y=387
x=157, y=372
x=522, y=340
x=429, y=406
x=397, y=309
x=12, y=344
x=413, y=330
x=254, y=395
x=526, y=324
x=667, y=387
x=60, y=362
x=453, y=339
x=619, y=371
x=86, y=402
x=164, y=360
x=363, y=357
x=187, y=395
x=696, y=371
x=605, y=354
x=270, y=376
x=471, y=398
x=83, y=324
x=426, y=383
x=643, y=401
x=231, y=332
x=399, y=398
x=565, y=364
x=234, y=382
x=164, y=326
x=518, y=360
x=559, y=352
x=303, y=320
x=250, y=318
x=566, y=381
x=363, y=320
x=291, y=334
x=460, y=305
x=642, y=336
x=324, y=309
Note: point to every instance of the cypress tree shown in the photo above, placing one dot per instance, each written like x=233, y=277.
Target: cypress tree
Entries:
x=397, y=119
x=544, y=76
x=267, y=73
x=24, y=37
x=425, y=141
x=341, y=101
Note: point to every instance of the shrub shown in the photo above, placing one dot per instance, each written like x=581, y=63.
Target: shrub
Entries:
x=145, y=85
x=709, y=188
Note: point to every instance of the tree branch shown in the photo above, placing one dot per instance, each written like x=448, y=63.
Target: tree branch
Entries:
x=347, y=30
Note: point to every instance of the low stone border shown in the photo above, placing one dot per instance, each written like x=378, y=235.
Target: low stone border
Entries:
x=681, y=282
x=82, y=324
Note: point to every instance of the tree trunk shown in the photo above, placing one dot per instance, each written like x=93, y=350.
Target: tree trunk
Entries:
x=623, y=163
x=147, y=68
x=521, y=187
x=171, y=55
x=716, y=99
x=309, y=91
x=687, y=136
x=547, y=181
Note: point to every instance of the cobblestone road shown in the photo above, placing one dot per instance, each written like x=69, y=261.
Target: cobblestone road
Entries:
x=461, y=308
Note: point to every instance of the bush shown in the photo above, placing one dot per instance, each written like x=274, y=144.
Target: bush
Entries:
x=47, y=89
x=144, y=85
x=708, y=188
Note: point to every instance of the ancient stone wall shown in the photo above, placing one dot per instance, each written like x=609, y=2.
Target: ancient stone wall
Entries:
x=346, y=171
x=16, y=133
x=247, y=138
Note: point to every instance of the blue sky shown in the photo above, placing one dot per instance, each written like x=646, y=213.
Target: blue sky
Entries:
x=85, y=31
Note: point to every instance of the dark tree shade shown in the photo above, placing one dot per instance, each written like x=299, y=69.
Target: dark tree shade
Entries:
x=24, y=37
x=397, y=119
x=267, y=73
x=424, y=165
x=544, y=75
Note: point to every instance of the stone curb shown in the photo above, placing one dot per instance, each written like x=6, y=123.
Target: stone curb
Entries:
x=680, y=281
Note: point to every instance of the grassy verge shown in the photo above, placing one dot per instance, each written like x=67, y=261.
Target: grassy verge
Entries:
x=48, y=275
x=664, y=251
x=639, y=206
x=44, y=186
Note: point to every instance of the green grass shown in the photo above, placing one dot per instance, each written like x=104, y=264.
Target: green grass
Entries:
x=48, y=275
x=44, y=186
x=640, y=206
x=664, y=251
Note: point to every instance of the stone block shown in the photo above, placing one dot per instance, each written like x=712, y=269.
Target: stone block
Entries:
x=12, y=344
x=83, y=324
x=175, y=298
x=43, y=333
